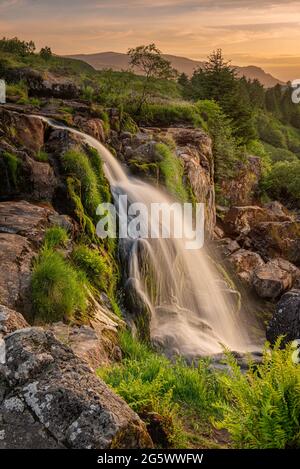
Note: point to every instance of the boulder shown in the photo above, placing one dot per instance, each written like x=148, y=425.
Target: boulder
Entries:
x=10, y=321
x=227, y=246
x=240, y=220
x=273, y=278
x=277, y=239
x=244, y=263
x=286, y=319
x=93, y=127
x=49, y=398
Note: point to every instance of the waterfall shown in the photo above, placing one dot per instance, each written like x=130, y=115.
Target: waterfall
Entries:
x=191, y=312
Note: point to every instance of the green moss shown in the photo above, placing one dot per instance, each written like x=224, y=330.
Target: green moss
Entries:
x=74, y=191
x=13, y=164
x=171, y=169
x=58, y=291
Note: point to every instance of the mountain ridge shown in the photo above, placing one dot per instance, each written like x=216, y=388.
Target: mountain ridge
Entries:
x=118, y=61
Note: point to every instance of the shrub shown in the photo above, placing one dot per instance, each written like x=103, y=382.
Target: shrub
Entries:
x=166, y=114
x=283, y=182
x=262, y=407
x=58, y=291
x=171, y=168
x=270, y=131
x=19, y=90
x=95, y=266
x=55, y=236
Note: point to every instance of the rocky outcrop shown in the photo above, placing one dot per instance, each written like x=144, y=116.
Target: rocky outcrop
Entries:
x=22, y=228
x=272, y=279
x=286, y=319
x=241, y=189
x=93, y=127
x=49, y=398
x=240, y=220
x=245, y=263
x=23, y=130
x=192, y=146
x=277, y=239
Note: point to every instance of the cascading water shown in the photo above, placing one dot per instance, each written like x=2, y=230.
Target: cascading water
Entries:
x=191, y=312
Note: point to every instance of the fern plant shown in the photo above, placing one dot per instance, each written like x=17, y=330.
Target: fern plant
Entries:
x=262, y=406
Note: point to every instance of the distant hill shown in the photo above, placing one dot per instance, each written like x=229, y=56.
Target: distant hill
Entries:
x=119, y=61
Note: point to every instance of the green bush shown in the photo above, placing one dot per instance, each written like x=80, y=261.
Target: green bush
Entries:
x=18, y=89
x=171, y=168
x=270, y=131
x=96, y=267
x=56, y=236
x=262, y=407
x=283, y=182
x=167, y=114
x=58, y=291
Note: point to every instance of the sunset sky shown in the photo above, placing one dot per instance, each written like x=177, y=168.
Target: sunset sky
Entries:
x=264, y=32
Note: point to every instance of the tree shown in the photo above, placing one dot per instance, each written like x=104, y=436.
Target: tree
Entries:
x=217, y=80
x=46, y=53
x=150, y=62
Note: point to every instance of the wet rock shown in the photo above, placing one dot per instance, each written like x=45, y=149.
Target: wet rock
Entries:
x=286, y=319
x=244, y=263
x=227, y=246
x=59, y=401
x=93, y=127
x=24, y=130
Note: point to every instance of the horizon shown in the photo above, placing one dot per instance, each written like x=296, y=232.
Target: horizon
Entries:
x=260, y=33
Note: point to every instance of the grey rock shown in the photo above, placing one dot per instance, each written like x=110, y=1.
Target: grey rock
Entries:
x=51, y=398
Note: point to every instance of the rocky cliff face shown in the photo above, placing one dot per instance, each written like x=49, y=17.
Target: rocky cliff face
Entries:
x=193, y=147
x=49, y=395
